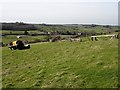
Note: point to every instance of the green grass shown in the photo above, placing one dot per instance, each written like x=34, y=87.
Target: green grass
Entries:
x=19, y=31
x=88, y=64
x=10, y=38
x=63, y=28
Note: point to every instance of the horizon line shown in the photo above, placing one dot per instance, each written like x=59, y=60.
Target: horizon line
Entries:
x=59, y=23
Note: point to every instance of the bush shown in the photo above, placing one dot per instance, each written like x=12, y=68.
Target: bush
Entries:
x=2, y=44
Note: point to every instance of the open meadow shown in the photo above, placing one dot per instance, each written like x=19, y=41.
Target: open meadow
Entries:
x=87, y=64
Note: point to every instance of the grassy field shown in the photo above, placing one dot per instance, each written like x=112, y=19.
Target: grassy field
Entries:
x=80, y=28
x=63, y=28
x=19, y=32
x=87, y=64
x=9, y=38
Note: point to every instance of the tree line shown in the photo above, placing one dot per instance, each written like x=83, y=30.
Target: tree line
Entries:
x=18, y=26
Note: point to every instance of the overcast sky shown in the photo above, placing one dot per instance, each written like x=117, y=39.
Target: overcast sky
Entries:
x=60, y=11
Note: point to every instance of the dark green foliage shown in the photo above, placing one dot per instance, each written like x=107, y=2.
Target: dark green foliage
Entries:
x=26, y=33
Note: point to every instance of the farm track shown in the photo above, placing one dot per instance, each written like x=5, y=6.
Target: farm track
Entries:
x=38, y=43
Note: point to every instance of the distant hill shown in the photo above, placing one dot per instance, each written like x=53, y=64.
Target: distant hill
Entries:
x=17, y=26
x=58, y=27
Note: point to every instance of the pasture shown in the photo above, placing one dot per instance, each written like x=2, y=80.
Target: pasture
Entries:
x=9, y=38
x=87, y=64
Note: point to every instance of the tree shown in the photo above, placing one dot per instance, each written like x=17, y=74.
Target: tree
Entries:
x=26, y=33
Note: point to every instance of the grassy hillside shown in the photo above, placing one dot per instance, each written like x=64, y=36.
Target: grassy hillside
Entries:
x=88, y=64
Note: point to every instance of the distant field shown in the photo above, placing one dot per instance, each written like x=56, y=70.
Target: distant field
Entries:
x=19, y=31
x=87, y=64
x=64, y=28
x=79, y=28
x=10, y=38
